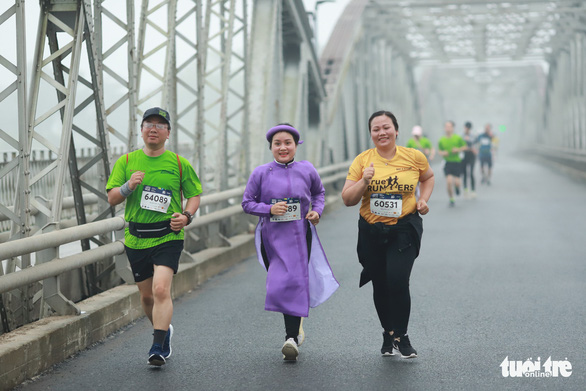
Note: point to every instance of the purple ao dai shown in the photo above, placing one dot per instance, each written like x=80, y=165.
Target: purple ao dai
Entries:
x=293, y=283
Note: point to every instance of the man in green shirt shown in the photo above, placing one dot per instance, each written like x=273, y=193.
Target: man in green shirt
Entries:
x=450, y=147
x=153, y=181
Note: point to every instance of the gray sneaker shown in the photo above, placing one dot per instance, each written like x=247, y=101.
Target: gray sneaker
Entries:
x=290, y=350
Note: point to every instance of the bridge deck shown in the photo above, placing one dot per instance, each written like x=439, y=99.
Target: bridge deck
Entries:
x=499, y=276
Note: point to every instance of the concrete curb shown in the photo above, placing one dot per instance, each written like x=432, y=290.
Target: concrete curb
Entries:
x=36, y=347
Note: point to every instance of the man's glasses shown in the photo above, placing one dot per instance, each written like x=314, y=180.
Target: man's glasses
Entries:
x=149, y=125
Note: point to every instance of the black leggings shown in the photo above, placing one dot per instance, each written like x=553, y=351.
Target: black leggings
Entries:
x=389, y=264
x=292, y=324
x=468, y=168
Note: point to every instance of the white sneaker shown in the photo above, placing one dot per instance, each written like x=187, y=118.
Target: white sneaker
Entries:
x=301, y=336
x=290, y=350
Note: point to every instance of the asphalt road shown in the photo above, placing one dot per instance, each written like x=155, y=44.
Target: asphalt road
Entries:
x=499, y=277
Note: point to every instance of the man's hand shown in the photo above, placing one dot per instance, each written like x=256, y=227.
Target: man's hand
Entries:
x=135, y=179
x=178, y=221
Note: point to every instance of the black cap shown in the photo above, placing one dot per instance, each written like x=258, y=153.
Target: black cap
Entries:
x=158, y=112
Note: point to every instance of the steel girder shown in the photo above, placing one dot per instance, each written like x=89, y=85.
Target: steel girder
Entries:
x=17, y=170
x=565, y=104
x=63, y=27
x=115, y=37
x=210, y=67
x=285, y=79
x=432, y=31
x=364, y=72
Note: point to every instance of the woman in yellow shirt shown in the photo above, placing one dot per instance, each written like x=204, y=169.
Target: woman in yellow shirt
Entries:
x=390, y=225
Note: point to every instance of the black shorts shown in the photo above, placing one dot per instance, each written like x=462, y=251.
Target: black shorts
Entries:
x=485, y=160
x=453, y=168
x=142, y=261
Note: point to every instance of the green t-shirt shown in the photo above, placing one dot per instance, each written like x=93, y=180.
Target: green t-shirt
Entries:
x=161, y=172
x=447, y=143
x=420, y=145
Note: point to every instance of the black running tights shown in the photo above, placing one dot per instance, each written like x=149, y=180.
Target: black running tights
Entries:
x=292, y=324
x=390, y=281
x=468, y=166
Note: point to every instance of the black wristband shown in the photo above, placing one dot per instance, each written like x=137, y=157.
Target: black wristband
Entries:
x=189, y=216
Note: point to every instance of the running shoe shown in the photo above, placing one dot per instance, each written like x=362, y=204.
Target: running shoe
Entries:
x=290, y=350
x=301, y=336
x=403, y=346
x=156, y=356
x=387, y=349
x=452, y=203
x=167, y=350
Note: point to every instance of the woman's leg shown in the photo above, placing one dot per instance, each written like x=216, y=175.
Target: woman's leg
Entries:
x=399, y=263
x=472, y=181
x=292, y=326
x=466, y=164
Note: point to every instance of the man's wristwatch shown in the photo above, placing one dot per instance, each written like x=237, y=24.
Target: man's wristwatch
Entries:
x=188, y=215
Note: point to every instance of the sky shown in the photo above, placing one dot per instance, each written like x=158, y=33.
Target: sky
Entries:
x=327, y=15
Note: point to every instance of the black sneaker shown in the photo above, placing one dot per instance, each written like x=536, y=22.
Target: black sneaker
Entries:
x=387, y=349
x=403, y=346
x=156, y=356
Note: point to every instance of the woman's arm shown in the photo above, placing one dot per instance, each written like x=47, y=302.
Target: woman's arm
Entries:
x=353, y=191
x=251, y=199
x=318, y=193
x=427, y=180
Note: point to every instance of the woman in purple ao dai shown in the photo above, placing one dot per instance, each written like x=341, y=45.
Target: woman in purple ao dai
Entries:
x=288, y=197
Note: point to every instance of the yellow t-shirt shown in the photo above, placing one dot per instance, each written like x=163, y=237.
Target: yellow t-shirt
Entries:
x=398, y=176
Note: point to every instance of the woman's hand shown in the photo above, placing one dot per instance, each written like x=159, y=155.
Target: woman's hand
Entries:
x=422, y=207
x=279, y=208
x=368, y=173
x=313, y=217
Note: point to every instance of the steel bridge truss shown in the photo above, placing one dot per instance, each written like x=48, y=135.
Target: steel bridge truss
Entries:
x=75, y=66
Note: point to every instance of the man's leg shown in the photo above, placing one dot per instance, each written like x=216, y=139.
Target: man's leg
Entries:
x=145, y=288
x=457, y=184
x=161, y=313
x=450, y=185
x=162, y=310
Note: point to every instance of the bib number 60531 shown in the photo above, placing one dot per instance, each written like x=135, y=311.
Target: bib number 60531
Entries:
x=387, y=205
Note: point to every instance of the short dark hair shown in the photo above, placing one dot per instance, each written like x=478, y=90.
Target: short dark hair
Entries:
x=388, y=114
x=468, y=125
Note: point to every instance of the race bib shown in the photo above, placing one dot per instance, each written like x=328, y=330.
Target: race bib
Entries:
x=387, y=205
x=155, y=199
x=293, y=210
